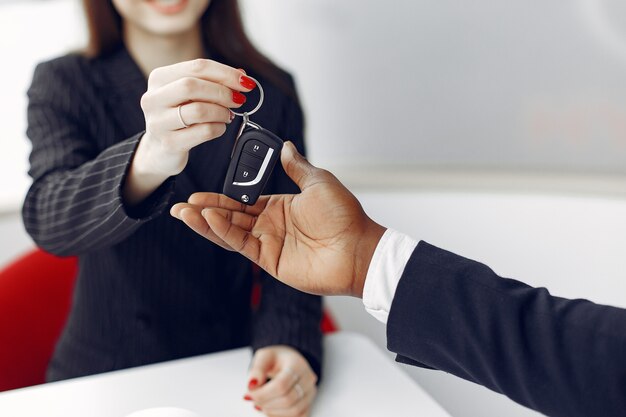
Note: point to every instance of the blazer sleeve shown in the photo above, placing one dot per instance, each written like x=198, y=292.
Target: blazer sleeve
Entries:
x=74, y=204
x=560, y=357
x=285, y=315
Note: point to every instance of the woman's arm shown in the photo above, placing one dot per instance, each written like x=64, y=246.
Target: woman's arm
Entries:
x=83, y=198
x=75, y=202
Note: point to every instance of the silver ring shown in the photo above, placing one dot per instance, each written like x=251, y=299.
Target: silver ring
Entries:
x=180, y=117
x=299, y=390
x=261, y=98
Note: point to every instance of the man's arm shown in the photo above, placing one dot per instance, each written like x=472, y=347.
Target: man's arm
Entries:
x=560, y=357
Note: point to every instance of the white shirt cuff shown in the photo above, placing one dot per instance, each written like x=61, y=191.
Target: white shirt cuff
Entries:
x=386, y=267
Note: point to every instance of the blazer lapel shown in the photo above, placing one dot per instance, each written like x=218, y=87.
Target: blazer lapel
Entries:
x=121, y=85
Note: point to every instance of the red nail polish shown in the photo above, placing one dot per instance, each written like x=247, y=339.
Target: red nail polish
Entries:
x=247, y=82
x=256, y=407
x=247, y=398
x=253, y=383
x=238, y=97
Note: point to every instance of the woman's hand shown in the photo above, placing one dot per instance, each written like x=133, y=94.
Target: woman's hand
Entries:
x=186, y=104
x=281, y=383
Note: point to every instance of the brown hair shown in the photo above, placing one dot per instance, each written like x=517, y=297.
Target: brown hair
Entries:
x=221, y=21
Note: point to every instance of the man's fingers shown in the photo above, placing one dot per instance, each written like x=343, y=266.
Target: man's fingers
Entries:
x=298, y=168
x=176, y=209
x=215, y=200
x=234, y=236
x=192, y=217
x=243, y=220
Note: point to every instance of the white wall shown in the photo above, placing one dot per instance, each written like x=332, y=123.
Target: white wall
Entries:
x=529, y=84
x=14, y=241
x=30, y=32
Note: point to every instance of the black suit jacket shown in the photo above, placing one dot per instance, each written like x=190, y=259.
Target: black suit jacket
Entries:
x=149, y=289
x=561, y=357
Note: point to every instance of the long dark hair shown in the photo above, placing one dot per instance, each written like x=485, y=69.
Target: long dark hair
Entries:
x=221, y=21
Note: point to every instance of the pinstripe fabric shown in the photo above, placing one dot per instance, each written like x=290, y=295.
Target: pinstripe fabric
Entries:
x=149, y=289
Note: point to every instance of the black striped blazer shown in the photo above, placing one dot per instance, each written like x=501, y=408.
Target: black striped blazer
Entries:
x=149, y=289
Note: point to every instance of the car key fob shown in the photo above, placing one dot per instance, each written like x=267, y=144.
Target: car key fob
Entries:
x=254, y=156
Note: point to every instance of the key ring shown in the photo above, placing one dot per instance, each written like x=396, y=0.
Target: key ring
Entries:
x=258, y=106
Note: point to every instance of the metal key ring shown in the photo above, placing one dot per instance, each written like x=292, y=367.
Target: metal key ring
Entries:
x=261, y=97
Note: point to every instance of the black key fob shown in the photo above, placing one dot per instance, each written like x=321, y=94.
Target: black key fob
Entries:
x=254, y=156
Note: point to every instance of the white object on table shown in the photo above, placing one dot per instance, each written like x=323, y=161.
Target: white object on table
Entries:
x=358, y=379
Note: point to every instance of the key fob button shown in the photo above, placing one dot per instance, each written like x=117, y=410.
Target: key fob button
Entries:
x=255, y=147
x=245, y=174
x=251, y=161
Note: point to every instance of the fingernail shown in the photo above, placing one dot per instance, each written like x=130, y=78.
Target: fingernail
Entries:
x=247, y=398
x=204, y=212
x=256, y=407
x=290, y=147
x=242, y=70
x=180, y=213
x=238, y=97
x=247, y=82
x=253, y=383
x=232, y=116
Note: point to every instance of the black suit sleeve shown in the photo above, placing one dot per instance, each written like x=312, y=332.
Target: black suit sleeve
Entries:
x=75, y=202
x=287, y=316
x=560, y=357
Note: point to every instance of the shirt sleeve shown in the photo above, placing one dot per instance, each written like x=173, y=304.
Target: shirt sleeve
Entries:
x=390, y=258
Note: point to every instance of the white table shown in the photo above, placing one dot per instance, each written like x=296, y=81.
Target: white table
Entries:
x=359, y=380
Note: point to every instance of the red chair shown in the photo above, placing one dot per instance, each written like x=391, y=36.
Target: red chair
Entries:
x=328, y=323
x=35, y=298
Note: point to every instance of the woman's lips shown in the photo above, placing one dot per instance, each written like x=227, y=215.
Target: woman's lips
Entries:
x=168, y=6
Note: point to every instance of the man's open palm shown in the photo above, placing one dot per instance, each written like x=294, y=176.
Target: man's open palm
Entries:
x=319, y=241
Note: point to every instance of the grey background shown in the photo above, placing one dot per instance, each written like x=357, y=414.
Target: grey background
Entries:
x=521, y=84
